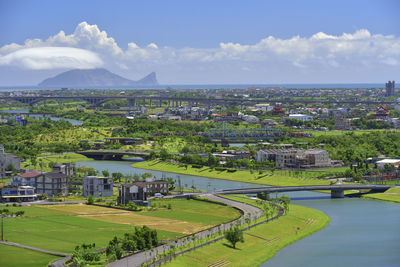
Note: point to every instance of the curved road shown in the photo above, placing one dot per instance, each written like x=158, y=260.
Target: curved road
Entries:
x=142, y=257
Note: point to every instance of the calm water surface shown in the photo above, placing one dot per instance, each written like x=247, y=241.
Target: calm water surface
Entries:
x=361, y=232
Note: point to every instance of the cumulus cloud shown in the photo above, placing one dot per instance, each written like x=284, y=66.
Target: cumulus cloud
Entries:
x=319, y=52
x=42, y=58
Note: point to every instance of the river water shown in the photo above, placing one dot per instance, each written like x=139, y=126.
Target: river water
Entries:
x=37, y=116
x=361, y=232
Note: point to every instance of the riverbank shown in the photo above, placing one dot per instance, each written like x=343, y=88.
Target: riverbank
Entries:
x=391, y=195
x=239, y=175
x=261, y=243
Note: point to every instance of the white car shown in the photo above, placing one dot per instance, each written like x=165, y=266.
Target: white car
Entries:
x=158, y=195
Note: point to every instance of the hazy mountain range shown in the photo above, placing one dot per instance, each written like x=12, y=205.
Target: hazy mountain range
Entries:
x=95, y=77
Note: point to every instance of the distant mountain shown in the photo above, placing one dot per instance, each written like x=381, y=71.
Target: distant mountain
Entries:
x=95, y=77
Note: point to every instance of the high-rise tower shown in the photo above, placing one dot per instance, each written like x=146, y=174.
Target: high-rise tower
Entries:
x=390, y=88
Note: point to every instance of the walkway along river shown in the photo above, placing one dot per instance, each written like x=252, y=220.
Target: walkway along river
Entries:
x=361, y=233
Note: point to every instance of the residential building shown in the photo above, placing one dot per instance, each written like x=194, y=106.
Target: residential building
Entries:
x=295, y=158
x=342, y=123
x=138, y=191
x=301, y=117
x=25, y=179
x=65, y=168
x=388, y=162
x=97, y=186
x=18, y=193
x=52, y=183
x=8, y=163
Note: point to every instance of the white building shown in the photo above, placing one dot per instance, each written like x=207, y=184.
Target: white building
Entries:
x=389, y=162
x=301, y=117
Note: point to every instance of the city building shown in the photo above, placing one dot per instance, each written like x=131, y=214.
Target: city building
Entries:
x=18, y=193
x=301, y=117
x=342, y=123
x=8, y=163
x=138, y=191
x=52, y=183
x=390, y=88
x=295, y=158
x=97, y=186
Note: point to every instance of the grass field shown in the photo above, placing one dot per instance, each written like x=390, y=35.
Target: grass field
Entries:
x=13, y=256
x=261, y=243
x=61, y=158
x=51, y=229
x=391, y=195
x=194, y=211
x=62, y=227
x=239, y=175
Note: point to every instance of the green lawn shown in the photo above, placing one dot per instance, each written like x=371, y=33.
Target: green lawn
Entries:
x=240, y=175
x=391, y=195
x=194, y=211
x=261, y=243
x=61, y=158
x=61, y=231
x=12, y=256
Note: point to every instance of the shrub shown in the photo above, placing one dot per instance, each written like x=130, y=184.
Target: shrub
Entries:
x=197, y=166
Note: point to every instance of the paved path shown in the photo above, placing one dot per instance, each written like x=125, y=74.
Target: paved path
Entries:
x=142, y=257
x=35, y=249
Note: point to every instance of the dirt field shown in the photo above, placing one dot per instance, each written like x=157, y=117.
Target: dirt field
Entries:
x=128, y=217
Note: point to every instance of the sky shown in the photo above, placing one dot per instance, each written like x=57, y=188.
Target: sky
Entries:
x=203, y=42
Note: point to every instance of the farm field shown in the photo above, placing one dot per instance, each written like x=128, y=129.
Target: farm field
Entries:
x=61, y=231
x=260, y=243
x=24, y=257
x=240, y=175
x=62, y=227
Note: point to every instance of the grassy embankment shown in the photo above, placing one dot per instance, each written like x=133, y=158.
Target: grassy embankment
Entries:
x=13, y=256
x=391, y=195
x=44, y=159
x=62, y=227
x=240, y=175
x=261, y=243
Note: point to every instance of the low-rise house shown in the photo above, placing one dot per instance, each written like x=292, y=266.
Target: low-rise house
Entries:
x=52, y=183
x=138, y=191
x=301, y=117
x=97, y=186
x=28, y=178
x=18, y=193
x=394, y=163
x=233, y=154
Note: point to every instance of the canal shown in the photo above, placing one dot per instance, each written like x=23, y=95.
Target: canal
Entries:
x=361, y=232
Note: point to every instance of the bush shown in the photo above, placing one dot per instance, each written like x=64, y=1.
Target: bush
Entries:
x=197, y=166
x=221, y=169
x=90, y=200
x=231, y=170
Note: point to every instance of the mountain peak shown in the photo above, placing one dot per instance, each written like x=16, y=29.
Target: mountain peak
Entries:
x=95, y=77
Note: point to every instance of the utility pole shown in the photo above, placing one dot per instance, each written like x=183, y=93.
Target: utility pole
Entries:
x=2, y=227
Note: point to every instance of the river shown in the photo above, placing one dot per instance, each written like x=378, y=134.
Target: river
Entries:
x=361, y=232
x=37, y=116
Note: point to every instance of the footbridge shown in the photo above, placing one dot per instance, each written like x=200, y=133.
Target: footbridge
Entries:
x=337, y=191
x=112, y=155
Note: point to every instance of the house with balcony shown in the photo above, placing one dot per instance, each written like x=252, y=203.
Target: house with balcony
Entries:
x=18, y=193
x=97, y=186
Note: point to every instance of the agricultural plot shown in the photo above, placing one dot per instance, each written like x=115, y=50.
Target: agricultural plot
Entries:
x=23, y=257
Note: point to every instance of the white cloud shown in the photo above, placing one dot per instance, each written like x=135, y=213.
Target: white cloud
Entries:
x=42, y=58
x=322, y=52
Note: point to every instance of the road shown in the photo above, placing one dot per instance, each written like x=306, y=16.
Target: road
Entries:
x=248, y=211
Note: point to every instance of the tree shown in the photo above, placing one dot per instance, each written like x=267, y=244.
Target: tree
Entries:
x=105, y=173
x=234, y=235
x=90, y=200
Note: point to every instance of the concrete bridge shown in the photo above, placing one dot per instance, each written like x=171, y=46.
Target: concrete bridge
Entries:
x=136, y=101
x=337, y=191
x=111, y=155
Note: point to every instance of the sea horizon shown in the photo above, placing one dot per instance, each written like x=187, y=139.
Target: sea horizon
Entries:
x=207, y=86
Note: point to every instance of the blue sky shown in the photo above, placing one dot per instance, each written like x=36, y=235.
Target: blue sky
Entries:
x=204, y=41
